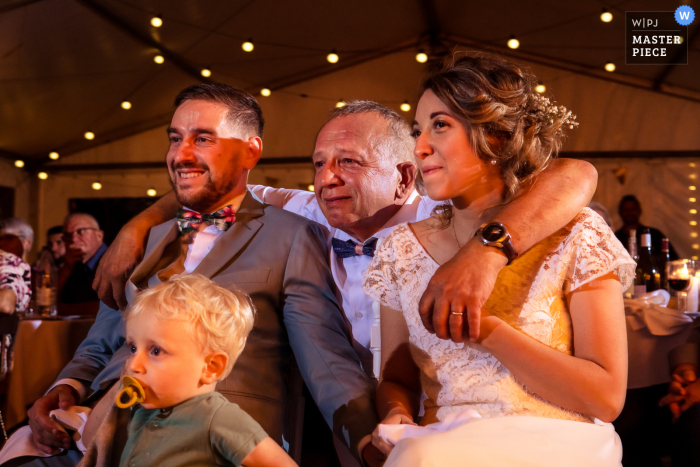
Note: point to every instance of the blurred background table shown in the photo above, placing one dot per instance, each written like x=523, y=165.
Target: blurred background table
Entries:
x=43, y=346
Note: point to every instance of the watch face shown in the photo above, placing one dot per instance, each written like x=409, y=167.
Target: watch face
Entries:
x=493, y=232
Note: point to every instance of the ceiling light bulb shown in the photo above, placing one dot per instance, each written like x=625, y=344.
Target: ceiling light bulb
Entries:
x=265, y=92
x=206, y=72
x=151, y=192
x=126, y=105
x=248, y=46
x=693, y=211
x=540, y=88
x=692, y=200
x=19, y=163
x=691, y=188
x=693, y=222
x=97, y=186
x=679, y=39
x=158, y=59
x=421, y=57
x=310, y=188
x=42, y=175
x=606, y=16
x=89, y=135
x=610, y=66
x=53, y=155
x=332, y=57
x=156, y=21
x=340, y=103
x=405, y=106
x=513, y=43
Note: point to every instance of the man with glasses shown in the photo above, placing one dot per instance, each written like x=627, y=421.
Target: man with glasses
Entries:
x=84, y=249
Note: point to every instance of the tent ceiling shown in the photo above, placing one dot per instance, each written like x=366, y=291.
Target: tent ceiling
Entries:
x=66, y=65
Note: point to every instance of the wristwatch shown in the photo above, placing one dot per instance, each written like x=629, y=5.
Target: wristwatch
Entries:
x=496, y=235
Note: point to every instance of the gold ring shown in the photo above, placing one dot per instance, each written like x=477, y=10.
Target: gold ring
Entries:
x=456, y=314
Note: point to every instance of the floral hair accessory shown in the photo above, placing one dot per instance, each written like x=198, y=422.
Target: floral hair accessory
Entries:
x=548, y=111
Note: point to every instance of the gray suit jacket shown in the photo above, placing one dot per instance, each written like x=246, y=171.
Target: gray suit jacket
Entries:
x=280, y=260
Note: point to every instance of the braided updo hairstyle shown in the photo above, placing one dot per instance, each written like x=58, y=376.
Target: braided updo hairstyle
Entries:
x=506, y=120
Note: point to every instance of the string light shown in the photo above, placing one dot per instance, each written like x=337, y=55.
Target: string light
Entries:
x=19, y=163
x=206, y=72
x=89, y=135
x=513, y=43
x=53, y=155
x=96, y=186
x=606, y=16
x=692, y=200
x=310, y=187
x=405, y=106
x=42, y=175
x=265, y=92
x=540, y=88
x=156, y=21
x=693, y=234
x=340, y=103
x=158, y=59
x=151, y=192
x=248, y=46
x=332, y=57
x=691, y=188
x=421, y=57
x=610, y=66
x=693, y=222
x=693, y=211
x=126, y=105
x=692, y=176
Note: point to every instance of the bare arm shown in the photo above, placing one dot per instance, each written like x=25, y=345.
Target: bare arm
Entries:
x=464, y=283
x=8, y=300
x=268, y=454
x=594, y=380
x=127, y=250
x=399, y=390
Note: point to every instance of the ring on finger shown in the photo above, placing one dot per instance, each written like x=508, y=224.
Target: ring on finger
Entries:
x=455, y=313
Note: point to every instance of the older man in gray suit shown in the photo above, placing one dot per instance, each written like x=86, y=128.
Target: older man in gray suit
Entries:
x=278, y=258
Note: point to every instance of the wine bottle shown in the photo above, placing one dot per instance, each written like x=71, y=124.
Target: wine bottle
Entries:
x=664, y=258
x=647, y=277
x=45, y=285
x=632, y=249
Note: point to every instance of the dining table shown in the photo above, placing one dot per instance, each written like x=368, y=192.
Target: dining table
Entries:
x=42, y=347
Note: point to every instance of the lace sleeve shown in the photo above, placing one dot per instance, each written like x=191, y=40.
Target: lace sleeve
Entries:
x=380, y=280
x=596, y=252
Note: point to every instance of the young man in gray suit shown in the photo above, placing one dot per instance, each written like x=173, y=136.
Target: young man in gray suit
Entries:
x=278, y=258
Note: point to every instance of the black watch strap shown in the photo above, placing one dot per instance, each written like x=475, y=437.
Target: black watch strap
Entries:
x=502, y=239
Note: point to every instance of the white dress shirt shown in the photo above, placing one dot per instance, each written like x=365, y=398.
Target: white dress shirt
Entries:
x=348, y=272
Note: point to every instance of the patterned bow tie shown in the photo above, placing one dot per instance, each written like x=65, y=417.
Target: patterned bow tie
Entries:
x=191, y=220
x=349, y=248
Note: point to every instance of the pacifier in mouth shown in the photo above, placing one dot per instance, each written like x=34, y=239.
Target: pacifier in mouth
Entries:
x=131, y=393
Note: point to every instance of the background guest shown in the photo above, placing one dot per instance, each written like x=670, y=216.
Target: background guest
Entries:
x=630, y=210
x=85, y=248
x=15, y=283
x=22, y=230
x=56, y=245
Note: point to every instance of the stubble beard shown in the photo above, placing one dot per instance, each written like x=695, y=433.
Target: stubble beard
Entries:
x=203, y=199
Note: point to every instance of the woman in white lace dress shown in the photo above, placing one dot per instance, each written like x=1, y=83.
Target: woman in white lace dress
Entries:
x=548, y=372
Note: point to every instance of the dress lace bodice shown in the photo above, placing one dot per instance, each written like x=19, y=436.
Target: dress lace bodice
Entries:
x=529, y=295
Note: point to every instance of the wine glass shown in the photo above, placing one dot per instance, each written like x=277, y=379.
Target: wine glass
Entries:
x=679, y=273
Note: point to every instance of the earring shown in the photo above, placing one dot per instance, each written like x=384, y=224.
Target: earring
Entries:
x=493, y=162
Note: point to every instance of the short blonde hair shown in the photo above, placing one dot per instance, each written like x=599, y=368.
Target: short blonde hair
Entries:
x=220, y=319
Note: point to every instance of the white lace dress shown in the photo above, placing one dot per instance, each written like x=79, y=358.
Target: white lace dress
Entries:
x=530, y=296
